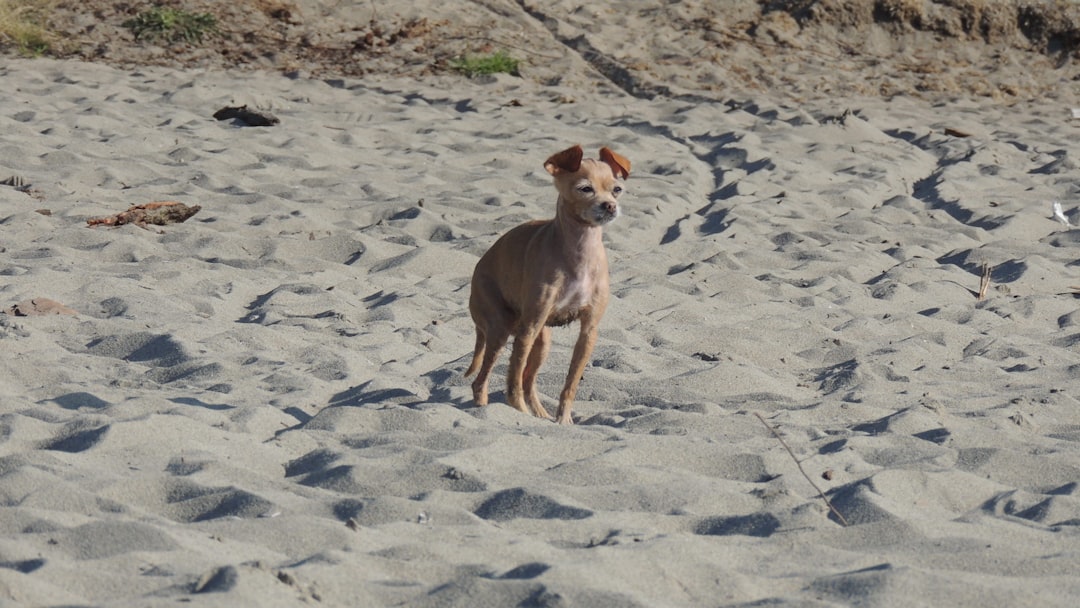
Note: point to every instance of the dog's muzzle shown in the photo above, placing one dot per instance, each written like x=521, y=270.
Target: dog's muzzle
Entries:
x=605, y=212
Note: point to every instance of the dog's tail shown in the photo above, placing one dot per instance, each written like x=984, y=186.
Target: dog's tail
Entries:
x=478, y=353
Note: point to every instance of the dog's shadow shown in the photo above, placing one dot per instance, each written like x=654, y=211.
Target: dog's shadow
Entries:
x=442, y=386
x=445, y=386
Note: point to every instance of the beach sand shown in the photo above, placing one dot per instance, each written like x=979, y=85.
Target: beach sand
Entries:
x=264, y=405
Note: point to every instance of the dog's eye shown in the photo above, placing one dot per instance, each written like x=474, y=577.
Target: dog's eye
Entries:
x=617, y=190
x=585, y=189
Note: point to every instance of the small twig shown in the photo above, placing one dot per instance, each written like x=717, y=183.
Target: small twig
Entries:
x=801, y=470
x=984, y=283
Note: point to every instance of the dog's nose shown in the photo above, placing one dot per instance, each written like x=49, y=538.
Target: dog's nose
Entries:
x=609, y=207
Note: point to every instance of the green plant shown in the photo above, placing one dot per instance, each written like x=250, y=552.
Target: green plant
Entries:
x=172, y=25
x=497, y=63
x=23, y=26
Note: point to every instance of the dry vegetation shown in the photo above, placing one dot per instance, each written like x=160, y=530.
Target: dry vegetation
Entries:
x=24, y=27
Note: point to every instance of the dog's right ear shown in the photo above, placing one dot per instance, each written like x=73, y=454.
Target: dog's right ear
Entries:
x=567, y=161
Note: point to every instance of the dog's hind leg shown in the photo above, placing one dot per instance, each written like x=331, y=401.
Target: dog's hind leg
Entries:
x=478, y=352
x=525, y=339
x=495, y=339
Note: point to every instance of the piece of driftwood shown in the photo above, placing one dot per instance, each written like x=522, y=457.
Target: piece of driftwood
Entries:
x=148, y=214
x=39, y=307
x=251, y=118
x=23, y=186
x=956, y=132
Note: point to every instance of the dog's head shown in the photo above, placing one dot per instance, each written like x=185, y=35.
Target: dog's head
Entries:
x=589, y=189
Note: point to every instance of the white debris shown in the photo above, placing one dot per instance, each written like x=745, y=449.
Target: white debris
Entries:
x=1060, y=215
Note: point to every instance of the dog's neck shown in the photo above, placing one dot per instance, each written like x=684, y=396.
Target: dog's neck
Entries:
x=580, y=240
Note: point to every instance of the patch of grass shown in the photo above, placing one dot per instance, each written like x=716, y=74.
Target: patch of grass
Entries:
x=478, y=65
x=160, y=24
x=23, y=25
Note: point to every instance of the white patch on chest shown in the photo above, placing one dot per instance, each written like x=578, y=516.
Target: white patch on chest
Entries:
x=575, y=295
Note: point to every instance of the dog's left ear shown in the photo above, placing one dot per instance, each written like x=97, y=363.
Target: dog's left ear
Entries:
x=619, y=165
x=567, y=161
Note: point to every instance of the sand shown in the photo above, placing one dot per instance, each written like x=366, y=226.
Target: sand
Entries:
x=264, y=405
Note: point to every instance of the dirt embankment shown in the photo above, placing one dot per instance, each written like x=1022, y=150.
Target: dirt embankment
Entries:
x=1002, y=49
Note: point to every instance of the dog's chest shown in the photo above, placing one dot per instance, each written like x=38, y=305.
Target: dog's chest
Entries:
x=576, y=294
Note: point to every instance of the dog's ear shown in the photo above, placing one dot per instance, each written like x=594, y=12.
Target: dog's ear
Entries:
x=567, y=161
x=618, y=163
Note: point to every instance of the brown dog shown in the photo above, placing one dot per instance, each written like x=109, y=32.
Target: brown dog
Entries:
x=547, y=273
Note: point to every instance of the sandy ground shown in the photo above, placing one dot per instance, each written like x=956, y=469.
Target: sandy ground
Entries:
x=263, y=405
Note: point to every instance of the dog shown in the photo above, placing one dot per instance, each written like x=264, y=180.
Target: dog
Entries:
x=544, y=274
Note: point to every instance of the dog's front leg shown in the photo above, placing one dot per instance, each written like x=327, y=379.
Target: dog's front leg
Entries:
x=539, y=352
x=582, y=351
